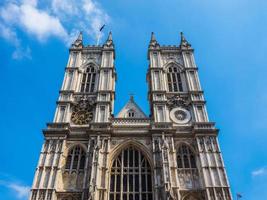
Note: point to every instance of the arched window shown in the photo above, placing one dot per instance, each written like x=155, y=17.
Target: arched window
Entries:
x=75, y=159
x=174, y=79
x=131, y=113
x=185, y=157
x=130, y=176
x=89, y=80
x=187, y=168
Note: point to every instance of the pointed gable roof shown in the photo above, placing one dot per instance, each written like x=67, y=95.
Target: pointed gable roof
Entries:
x=131, y=106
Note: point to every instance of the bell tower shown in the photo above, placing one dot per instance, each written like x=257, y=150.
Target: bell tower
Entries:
x=88, y=89
x=174, y=84
x=181, y=129
x=71, y=165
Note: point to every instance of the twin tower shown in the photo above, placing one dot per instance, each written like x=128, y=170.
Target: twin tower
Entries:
x=90, y=154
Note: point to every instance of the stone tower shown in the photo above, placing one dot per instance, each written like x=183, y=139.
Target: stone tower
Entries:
x=89, y=154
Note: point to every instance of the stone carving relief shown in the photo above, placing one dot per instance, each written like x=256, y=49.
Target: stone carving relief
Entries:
x=172, y=57
x=177, y=101
x=82, y=111
x=91, y=57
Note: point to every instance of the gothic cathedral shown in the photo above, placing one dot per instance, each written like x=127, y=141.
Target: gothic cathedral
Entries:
x=90, y=154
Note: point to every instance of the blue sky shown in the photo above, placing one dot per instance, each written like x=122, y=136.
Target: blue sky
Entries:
x=230, y=44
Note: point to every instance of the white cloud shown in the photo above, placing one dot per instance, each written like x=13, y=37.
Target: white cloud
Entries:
x=22, y=52
x=41, y=24
x=86, y=15
x=60, y=18
x=11, y=36
x=33, y=21
x=259, y=172
x=21, y=191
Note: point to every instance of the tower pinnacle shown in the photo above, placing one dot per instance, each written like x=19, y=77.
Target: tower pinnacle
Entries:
x=109, y=41
x=153, y=42
x=184, y=43
x=79, y=41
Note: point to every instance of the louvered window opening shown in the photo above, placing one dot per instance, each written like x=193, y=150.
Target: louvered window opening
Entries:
x=174, y=80
x=88, y=80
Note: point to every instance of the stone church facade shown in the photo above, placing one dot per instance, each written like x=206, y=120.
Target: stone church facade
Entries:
x=90, y=154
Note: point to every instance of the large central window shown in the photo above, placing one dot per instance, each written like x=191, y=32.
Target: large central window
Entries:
x=130, y=176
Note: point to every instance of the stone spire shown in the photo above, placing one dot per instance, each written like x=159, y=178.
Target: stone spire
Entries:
x=153, y=38
x=153, y=42
x=110, y=36
x=79, y=41
x=184, y=43
x=109, y=42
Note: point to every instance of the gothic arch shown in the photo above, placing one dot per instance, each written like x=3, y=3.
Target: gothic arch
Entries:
x=89, y=76
x=88, y=63
x=176, y=64
x=190, y=196
x=75, y=158
x=188, y=145
x=130, y=172
x=175, y=77
x=129, y=142
x=73, y=145
x=187, y=167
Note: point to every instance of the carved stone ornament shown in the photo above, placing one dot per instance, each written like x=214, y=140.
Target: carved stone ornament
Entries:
x=180, y=115
x=82, y=112
x=177, y=101
x=87, y=57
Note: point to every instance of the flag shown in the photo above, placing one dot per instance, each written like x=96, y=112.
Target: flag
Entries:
x=238, y=195
x=102, y=27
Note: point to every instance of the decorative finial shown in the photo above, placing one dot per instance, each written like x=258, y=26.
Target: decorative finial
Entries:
x=153, y=42
x=110, y=36
x=153, y=38
x=131, y=97
x=184, y=43
x=79, y=41
x=109, y=42
x=80, y=37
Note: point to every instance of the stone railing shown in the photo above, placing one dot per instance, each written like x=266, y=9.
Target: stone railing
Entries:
x=130, y=122
x=204, y=125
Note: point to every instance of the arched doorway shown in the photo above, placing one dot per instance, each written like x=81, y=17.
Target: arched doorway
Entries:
x=130, y=176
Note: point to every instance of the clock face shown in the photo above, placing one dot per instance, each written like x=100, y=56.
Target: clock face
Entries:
x=180, y=115
x=81, y=117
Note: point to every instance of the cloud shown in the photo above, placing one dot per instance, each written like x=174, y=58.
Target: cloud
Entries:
x=33, y=20
x=86, y=15
x=11, y=36
x=62, y=19
x=19, y=190
x=259, y=172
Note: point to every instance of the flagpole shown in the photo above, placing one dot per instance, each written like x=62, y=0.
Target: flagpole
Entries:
x=99, y=34
x=97, y=40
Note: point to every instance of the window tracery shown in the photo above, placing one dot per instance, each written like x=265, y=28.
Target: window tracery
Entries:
x=174, y=79
x=131, y=177
x=75, y=159
x=187, y=168
x=89, y=80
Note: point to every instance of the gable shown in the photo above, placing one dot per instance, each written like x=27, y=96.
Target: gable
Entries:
x=131, y=110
